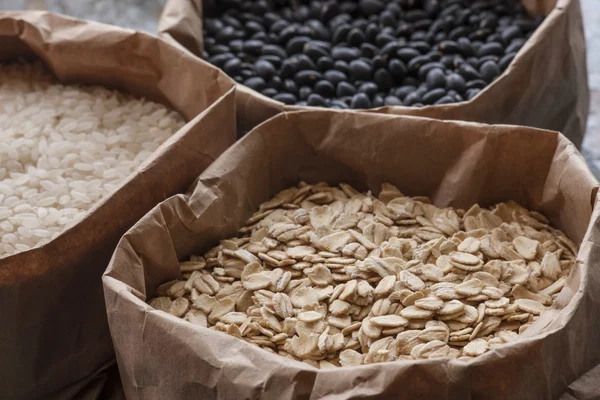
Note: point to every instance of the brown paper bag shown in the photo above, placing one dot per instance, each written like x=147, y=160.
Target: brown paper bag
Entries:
x=455, y=163
x=544, y=87
x=54, y=339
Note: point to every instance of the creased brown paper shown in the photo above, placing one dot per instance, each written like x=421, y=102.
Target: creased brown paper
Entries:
x=455, y=163
x=545, y=87
x=54, y=340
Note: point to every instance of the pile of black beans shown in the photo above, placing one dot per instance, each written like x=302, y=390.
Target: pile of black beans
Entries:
x=366, y=53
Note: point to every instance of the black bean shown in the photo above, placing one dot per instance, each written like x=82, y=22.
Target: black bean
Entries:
x=424, y=25
x=307, y=77
x=288, y=68
x=412, y=98
x=468, y=72
x=383, y=79
x=325, y=63
x=459, y=32
x=342, y=66
x=489, y=70
x=384, y=38
x=339, y=104
x=356, y=37
x=278, y=26
x=370, y=7
x=465, y=47
x=526, y=25
x=480, y=34
x=341, y=33
x=247, y=73
x=424, y=70
x=290, y=86
x=392, y=101
x=233, y=66
x=391, y=48
x=439, y=26
x=415, y=15
x=220, y=49
x=368, y=50
x=416, y=63
x=345, y=53
x=220, y=59
x=506, y=60
x=423, y=47
x=387, y=18
x=252, y=26
x=404, y=91
x=335, y=76
x=345, y=89
x=378, y=101
x=473, y=61
x=449, y=47
x=368, y=88
x=360, y=100
x=515, y=45
x=257, y=83
x=314, y=51
x=269, y=92
x=397, y=68
x=406, y=54
x=419, y=36
x=320, y=31
x=339, y=20
x=253, y=47
x=447, y=61
x=325, y=88
x=476, y=84
x=304, y=62
x=440, y=37
x=360, y=70
x=457, y=97
x=433, y=95
x=213, y=25
x=296, y=44
x=490, y=22
x=304, y=92
x=265, y=69
x=487, y=58
x=329, y=10
x=404, y=30
x=377, y=62
x=237, y=46
x=371, y=32
x=455, y=82
x=436, y=79
x=495, y=37
x=392, y=52
x=434, y=55
x=472, y=93
x=492, y=48
x=316, y=100
x=287, y=33
x=445, y=100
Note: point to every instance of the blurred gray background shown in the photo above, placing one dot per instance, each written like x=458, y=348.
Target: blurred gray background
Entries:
x=143, y=15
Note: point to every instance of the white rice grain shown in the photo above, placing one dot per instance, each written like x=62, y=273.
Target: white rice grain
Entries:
x=65, y=147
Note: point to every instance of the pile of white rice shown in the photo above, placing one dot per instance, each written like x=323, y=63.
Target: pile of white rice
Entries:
x=65, y=147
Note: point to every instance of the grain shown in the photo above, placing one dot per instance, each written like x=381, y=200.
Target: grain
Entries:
x=64, y=148
x=372, y=279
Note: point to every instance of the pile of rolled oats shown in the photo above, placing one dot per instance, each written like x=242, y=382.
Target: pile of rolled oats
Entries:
x=334, y=277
